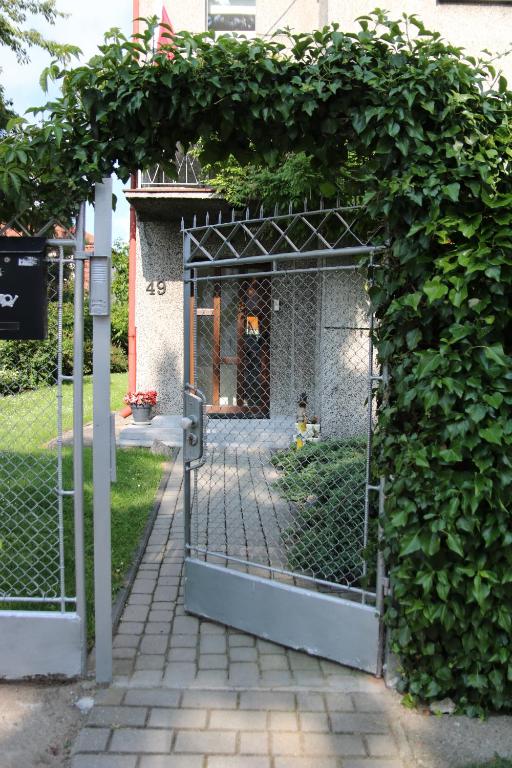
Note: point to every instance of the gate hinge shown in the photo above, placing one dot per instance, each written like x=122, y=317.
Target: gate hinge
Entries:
x=386, y=587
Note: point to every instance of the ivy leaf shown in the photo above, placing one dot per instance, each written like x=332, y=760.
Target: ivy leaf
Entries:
x=452, y=191
x=435, y=290
x=492, y=434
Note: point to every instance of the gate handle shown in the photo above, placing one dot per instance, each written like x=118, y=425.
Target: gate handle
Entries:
x=191, y=421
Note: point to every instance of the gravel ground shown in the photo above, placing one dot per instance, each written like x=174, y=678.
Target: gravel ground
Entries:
x=39, y=723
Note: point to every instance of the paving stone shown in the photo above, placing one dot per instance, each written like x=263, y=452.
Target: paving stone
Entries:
x=358, y=723
x=172, y=761
x=283, y=721
x=372, y=763
x=254, y=743
x=179, y=672
x=109, y=696
x=150, y=661
x=381, y=746
x=135, y=613
x=240, y=641
x=130, y=628
x=212, y=643
x=272, y=662
x=265, y=647
x=207, y=742
x=158, y=628
x=141, y=740
x=92, y=740
x=241, y=720
x=274, y=678
x=144, y=677
x=182, y=654
x=303, y=661
x=104, y=761
x=124, y=653
x=339, y=702
x=183, y=641
x=367, y=702
x=156, y=697
x=239, y=761
x=161, y=616
x=140, y=599
x=305, y=762
x=243, y=673
x=185, y=625
x=122, y=667
x=331, y=744
x=153, y=644
x=213, y=661
x=308, y=679
x=285, y=744
x=178, y=718
x=268, y=700
x=210, y=628
x=114, y=716
x=310, y=702
x=210, y=699
x=143, y=586
x=316, y=722
x=243, y=653
x=206, y=678
x=126, y=641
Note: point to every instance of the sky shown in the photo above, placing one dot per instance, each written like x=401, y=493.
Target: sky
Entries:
x=87, y=22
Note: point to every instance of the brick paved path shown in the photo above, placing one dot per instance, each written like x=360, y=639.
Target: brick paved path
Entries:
x=193, y=694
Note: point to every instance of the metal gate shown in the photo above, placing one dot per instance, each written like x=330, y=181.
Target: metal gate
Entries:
x=42, y=598
x=281, y=508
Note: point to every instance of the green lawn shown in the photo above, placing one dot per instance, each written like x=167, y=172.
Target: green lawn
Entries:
x=28, y=524
x=498, y=762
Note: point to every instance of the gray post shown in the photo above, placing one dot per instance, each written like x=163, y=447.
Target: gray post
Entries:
x=78, y=429
x=100, y=310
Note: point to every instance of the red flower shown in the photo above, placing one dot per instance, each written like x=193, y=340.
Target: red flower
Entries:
x=141, y=398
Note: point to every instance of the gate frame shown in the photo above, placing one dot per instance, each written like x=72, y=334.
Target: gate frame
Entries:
x=270, y=600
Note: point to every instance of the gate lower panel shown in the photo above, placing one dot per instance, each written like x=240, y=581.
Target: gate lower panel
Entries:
x=320, y=624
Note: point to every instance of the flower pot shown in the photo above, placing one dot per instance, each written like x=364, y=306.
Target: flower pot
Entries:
x=306, y=432
x=141, y=414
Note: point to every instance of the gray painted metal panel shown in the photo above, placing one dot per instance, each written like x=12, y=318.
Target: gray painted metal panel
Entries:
x=326, y=626
x=40, y=643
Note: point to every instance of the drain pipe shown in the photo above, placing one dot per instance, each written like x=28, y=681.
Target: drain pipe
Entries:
x=132, y=265
x=132, y=331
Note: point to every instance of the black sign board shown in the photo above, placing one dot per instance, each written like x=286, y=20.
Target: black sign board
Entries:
x=23, y=288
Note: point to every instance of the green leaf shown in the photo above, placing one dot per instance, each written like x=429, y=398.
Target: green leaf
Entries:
x=452, y=191
x=492, y=434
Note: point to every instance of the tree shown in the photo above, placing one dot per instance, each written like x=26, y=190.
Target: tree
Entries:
x=14, y=34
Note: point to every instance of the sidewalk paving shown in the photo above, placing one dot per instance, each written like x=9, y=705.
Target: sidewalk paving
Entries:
x=189, y=693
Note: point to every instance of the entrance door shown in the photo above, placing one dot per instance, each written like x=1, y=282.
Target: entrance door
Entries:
x=280, y=509
x=233, y=333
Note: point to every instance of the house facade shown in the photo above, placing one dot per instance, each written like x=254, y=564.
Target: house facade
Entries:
x=160, y=204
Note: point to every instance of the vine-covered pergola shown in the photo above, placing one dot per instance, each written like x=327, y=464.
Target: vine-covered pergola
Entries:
x=430, y=132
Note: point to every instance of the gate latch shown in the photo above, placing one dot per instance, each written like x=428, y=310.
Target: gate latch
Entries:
x=192, y=425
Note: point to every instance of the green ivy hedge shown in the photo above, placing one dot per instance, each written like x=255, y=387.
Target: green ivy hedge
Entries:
x=431, y=131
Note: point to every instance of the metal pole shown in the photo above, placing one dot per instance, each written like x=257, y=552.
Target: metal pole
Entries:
x=78, y=430
x=100, y=309
x=186, y=381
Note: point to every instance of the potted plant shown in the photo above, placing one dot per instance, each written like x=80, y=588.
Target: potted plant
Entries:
x=306, y=430
x=141, y=404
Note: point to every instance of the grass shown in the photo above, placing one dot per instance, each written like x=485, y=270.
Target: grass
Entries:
x=29, y=532
x=497, y=762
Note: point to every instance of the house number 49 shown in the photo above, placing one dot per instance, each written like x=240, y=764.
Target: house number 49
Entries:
x=160, y=288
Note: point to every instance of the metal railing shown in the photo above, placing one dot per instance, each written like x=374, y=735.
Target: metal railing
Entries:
x=188, y=174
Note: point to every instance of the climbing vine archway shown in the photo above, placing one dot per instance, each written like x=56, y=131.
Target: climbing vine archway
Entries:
x=433, y=143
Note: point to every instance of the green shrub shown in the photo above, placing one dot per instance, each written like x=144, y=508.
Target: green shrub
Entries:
x=326, y=484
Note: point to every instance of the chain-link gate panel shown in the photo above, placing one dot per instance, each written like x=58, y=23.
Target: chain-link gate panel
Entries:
x=36, y=403
x=284, y=362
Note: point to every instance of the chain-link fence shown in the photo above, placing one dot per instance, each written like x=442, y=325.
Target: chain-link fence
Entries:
x=285, y=362
x=36, y=408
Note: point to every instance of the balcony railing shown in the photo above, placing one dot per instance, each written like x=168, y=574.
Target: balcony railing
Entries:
x=189, y=174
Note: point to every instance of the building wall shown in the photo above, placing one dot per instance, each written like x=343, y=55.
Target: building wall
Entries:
x=475, y=26
x=159, y=318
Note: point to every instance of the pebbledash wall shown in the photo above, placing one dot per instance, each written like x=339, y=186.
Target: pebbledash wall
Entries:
x=160, y=208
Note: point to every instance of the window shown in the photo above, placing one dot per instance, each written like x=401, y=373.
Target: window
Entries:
x=232, y=16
